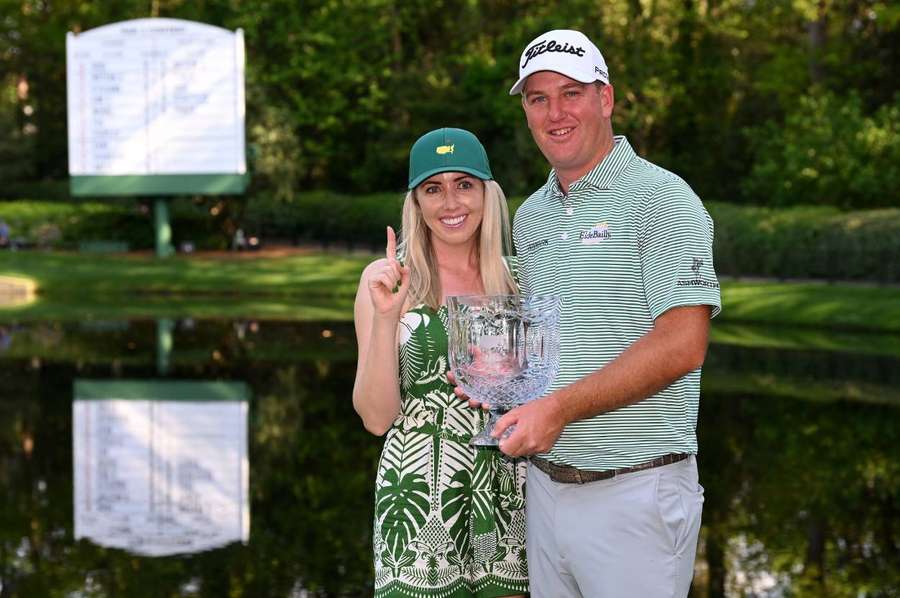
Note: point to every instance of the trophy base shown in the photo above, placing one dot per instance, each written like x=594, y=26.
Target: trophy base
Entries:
x=484, y=437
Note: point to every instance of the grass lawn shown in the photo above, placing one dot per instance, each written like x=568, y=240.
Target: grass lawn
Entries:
x=280, y=274
x=317, y=285
x=289, y=285
x=846, y=307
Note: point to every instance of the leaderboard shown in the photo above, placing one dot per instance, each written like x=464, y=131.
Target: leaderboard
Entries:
x=156, y=97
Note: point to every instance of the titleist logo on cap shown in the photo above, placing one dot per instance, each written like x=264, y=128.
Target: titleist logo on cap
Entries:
x=543, y=47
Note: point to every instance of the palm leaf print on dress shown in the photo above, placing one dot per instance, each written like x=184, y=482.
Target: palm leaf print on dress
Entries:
x=403, y=493
x=455, y=502
x=404, y=501
x=412, y=354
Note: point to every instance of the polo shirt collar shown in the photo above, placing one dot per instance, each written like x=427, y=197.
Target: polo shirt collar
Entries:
x=603, y=175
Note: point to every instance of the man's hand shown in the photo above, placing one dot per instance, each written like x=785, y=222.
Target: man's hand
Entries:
x=537, y=426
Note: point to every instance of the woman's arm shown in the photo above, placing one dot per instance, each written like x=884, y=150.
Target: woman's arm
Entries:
x=376, y=313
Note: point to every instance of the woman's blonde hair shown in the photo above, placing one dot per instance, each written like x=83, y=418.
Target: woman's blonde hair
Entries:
x=494, y=243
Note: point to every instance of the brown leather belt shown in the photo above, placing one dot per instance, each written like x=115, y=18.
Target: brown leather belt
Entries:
x=566, y=474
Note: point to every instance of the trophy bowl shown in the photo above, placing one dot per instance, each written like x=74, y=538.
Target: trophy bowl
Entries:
x=504, y=350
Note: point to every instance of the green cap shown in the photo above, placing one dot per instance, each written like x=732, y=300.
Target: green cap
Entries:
x=447, y=150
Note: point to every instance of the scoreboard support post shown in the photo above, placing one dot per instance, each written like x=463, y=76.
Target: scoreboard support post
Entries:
x=162, y=228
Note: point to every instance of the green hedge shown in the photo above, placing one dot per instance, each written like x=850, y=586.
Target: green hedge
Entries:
x=807, y=242
x=68, y=225
x=314, y=217
x=51, y=190
x=798, y=242
x=52, y=224
x=325, y=218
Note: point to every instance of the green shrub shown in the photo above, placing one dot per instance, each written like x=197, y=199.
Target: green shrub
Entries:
x=827, y=152
x=807, y=242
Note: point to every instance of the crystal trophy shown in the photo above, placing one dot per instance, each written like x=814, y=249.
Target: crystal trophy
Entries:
x=504, y=350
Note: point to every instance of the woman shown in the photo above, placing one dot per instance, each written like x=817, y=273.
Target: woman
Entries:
x=449, y=518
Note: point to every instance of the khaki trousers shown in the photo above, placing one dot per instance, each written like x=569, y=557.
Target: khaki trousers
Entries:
x=634, y=535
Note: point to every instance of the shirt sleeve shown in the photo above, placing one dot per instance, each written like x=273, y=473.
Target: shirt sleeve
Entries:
x=675, y=246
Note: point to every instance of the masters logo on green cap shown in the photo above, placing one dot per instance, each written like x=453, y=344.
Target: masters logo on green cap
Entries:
x=447, y=150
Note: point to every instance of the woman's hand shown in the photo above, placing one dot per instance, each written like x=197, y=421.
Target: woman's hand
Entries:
x=389, y=284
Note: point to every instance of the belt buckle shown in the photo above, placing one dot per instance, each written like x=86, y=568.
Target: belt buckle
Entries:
x=577, y=473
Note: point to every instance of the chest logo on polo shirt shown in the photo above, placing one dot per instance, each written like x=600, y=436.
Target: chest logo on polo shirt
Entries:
x=596, y=234
x=535, y=245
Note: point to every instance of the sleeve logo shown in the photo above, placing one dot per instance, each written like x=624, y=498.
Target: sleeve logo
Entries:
x=698, y=280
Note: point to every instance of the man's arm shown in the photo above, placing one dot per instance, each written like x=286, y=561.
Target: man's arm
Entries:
x=674, y=347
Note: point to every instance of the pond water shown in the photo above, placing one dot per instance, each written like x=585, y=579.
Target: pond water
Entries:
x=271, y=485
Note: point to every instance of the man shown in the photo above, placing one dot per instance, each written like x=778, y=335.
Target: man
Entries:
x=613, y=504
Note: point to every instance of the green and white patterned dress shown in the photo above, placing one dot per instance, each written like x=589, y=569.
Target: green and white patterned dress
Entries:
x=449, y=518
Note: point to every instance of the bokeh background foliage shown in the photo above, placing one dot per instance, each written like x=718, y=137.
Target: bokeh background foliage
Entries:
x=770, y=102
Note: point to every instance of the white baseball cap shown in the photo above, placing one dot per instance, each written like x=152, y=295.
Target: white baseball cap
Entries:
x=563, y=51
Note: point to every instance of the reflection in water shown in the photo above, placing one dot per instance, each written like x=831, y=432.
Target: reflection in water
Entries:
x=797, y=454
x=159, y=477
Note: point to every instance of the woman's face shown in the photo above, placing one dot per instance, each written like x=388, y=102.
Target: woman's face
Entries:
x=452, y=205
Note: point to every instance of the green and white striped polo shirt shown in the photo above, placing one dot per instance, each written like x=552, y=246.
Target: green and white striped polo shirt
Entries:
x=629, y=241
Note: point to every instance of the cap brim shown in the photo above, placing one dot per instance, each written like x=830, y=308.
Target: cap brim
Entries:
x=476, y=173
x=517, y=88
x=580, y=77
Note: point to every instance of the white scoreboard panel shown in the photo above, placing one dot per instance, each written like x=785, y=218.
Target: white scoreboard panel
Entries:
x=156, y=97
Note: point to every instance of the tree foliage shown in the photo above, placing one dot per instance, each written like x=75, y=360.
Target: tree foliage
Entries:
x=827, y=150
x=337, y=90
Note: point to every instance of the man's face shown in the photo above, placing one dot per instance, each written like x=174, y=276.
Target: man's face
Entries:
x=570, y=121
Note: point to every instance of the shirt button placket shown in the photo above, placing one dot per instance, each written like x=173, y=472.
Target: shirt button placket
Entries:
x=570, y=233
x=561, y=235
x=565, y=228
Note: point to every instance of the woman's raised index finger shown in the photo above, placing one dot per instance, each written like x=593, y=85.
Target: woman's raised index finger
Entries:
x=391, y=251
